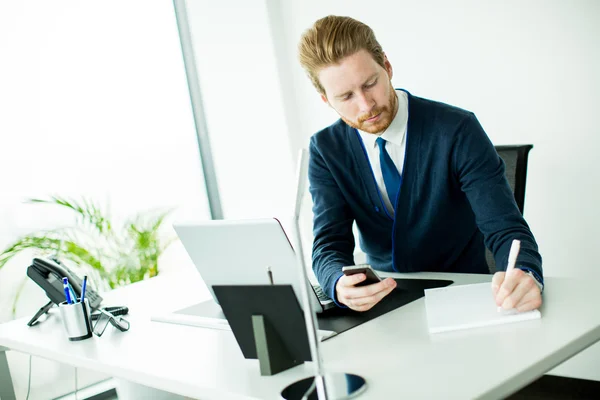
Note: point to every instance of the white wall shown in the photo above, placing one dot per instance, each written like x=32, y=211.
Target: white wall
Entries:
x=529, y=71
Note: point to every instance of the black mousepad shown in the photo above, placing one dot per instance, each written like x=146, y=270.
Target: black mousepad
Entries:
x=407, y=290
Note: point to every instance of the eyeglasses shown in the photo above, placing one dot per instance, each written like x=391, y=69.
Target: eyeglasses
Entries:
x=104, y=318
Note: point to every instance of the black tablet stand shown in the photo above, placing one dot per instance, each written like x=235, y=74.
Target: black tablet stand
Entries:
x=268, y=324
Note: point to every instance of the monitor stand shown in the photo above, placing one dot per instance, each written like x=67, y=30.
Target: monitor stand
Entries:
x=339, y=386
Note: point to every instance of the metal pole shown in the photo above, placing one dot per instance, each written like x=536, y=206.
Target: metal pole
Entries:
x=309, y=314
x=189, y=61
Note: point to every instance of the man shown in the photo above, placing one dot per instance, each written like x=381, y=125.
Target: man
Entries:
x=420, y=178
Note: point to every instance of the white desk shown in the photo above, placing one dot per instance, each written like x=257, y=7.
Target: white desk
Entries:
x=393, y=352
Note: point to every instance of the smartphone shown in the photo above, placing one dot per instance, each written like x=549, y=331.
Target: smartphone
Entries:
x=366, y=269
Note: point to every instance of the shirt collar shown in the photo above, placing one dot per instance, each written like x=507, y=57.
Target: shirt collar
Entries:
x=397, y=129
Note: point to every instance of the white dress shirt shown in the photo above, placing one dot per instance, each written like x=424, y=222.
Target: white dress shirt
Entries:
x=395, y=137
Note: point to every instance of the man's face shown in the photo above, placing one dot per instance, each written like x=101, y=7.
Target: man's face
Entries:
x=360, y=91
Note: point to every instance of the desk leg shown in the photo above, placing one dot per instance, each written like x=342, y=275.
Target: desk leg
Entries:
x=7, y=391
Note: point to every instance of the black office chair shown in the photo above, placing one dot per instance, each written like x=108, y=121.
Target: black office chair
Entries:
x=515, y=160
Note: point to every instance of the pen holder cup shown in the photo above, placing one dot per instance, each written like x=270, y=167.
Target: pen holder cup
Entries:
x=76, y=319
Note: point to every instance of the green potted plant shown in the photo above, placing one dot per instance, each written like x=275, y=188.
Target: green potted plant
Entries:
x=112, y=256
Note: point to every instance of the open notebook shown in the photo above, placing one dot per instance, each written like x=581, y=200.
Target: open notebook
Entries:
x=467, y=306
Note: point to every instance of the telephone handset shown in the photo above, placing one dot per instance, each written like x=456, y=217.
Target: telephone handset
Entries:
x=48, y=275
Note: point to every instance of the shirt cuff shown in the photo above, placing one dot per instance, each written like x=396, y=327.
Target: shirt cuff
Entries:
x=538, y=279
x=333, y=294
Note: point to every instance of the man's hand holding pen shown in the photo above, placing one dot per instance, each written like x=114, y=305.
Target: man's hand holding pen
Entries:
x=515, y=288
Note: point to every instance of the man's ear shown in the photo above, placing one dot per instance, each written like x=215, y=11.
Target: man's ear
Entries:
x=388, y=66
x=324, y=98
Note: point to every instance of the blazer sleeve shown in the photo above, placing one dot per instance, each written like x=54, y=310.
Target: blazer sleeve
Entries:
x=481, y=174
x=333, y=245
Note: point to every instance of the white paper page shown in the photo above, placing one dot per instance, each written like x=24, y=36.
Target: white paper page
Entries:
x=467, y=306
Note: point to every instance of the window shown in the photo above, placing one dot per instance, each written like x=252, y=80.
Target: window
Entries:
x=94, y=103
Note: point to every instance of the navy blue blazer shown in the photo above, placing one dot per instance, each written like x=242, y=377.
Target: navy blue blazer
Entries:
x=454, y=197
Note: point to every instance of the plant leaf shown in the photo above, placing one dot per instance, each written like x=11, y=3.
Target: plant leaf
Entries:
x=88, y=212
x=115, y=257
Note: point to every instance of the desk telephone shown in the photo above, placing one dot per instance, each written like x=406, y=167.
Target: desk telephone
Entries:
x=48, y=275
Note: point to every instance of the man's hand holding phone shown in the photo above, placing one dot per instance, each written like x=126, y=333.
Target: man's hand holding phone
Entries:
x=360, y=288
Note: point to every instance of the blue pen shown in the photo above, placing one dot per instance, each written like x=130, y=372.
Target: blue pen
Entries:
x=73, y=294
x=83, y=286
x=67, y=292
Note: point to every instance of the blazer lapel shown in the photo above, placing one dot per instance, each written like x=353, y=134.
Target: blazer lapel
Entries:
x=401, y=251
x=364, y=168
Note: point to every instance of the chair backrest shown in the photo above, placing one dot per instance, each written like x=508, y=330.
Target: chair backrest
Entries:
x=515, y=160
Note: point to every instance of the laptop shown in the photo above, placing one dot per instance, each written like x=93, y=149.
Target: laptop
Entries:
x=239, y=252
x=230, y=252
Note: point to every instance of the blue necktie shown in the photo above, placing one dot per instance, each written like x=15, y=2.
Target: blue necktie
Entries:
x=391, y=176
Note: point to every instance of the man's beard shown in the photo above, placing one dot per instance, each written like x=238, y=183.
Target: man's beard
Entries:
x=388, y=112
